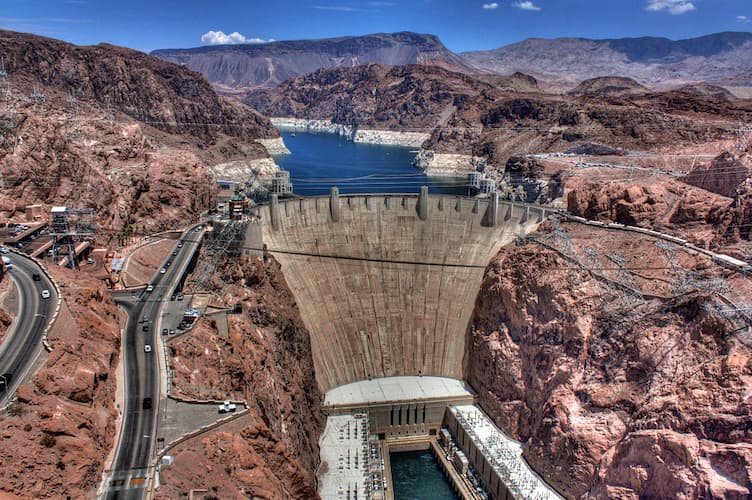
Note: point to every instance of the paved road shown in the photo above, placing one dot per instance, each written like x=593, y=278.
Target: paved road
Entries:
x=130, y=475
x=23, y=343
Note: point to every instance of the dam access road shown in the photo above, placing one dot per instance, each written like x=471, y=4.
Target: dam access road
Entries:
x=23, y=343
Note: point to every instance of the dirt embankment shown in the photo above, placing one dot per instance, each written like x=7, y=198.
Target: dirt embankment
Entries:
x=617, y=360
x=56, y=438
x=265, y=358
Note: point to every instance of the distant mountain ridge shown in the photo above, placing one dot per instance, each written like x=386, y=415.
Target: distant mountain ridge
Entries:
x=242, y=67
x=649, y=60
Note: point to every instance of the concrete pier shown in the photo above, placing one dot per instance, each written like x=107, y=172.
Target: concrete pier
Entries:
x=386, y=284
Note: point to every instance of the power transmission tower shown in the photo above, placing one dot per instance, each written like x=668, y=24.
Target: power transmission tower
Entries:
x=108, y=108
x=71, y=116
x=743, y=137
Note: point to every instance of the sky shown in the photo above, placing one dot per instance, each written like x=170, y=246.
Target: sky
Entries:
x=461, y=24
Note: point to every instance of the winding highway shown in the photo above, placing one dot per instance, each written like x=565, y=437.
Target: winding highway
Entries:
x=22, y=344
x=130, y=475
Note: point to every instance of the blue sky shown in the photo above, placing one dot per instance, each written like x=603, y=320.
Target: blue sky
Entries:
x=461, y=24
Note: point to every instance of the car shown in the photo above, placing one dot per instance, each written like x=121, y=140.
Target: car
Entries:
x=146, y=319
x=172, y=331
x=180, y=296
x=174, y=253
x=36, y=277
x=163, y=270
x=147, y=404
x=227, y=407
x=145, y=328
x=165, y=331
x=147, y=348
x=45, y=294
x=168, y=263
x=150, y=288
x=180, y=245
x=4, y=250
x=89, y=260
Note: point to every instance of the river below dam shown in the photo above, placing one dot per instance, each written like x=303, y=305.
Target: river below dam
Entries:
x=417, y=476
x=319, y=161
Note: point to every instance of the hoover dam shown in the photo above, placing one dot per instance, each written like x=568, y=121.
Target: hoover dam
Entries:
x=386, y=285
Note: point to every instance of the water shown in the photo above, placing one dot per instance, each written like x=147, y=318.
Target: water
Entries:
x=417, y=476
x=319, y=161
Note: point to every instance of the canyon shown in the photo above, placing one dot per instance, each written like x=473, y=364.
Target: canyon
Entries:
x=623, y=361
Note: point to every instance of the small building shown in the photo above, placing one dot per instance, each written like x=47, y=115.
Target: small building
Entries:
x=33, y=213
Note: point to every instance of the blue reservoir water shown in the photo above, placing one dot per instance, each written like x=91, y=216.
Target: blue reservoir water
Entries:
x=320, y=161
x=417, y=476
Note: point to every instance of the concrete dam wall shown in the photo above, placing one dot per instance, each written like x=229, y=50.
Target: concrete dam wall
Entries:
x=386, y=284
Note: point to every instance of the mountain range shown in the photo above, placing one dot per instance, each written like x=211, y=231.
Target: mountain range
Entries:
x=560, y=64
x=239, y=67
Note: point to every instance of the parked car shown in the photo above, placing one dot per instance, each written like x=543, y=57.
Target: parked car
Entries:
x=164, y=331
x=227, y=407
x=4, y=250
x=180, y=296
x=150, y=288
x=163, y=270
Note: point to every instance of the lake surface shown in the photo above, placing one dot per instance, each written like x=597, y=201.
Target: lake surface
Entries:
x=417, y=476
x=319, y=161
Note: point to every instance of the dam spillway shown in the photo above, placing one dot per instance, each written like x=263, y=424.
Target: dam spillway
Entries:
x=386, y=284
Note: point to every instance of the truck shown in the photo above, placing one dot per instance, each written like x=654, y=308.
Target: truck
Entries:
x=227, y=407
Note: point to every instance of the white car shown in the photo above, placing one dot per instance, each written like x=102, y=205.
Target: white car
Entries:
x=147, y=348
x=45, y=294
x=150, y=288
x=227, y=407
x=4, y=250
x=162, y=271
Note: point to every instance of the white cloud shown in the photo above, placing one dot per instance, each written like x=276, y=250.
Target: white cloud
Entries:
x=674, y=7
x=491, y=6
x=743, y=19
x=234, y=38
x=528, y=5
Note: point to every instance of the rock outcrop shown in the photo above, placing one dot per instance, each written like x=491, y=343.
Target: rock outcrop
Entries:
x=617, y=86
x=621, y=375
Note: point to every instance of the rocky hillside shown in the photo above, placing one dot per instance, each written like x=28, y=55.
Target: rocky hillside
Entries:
x=609, y=356
x=137, y=143
x=265, y=359
x=240, y=67
x=725, y=175
x=372, y=96
x=56, y=438
x=609, y=85
x=649, y=60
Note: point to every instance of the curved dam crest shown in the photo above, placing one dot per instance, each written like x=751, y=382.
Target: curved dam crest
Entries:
x=386, y=284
